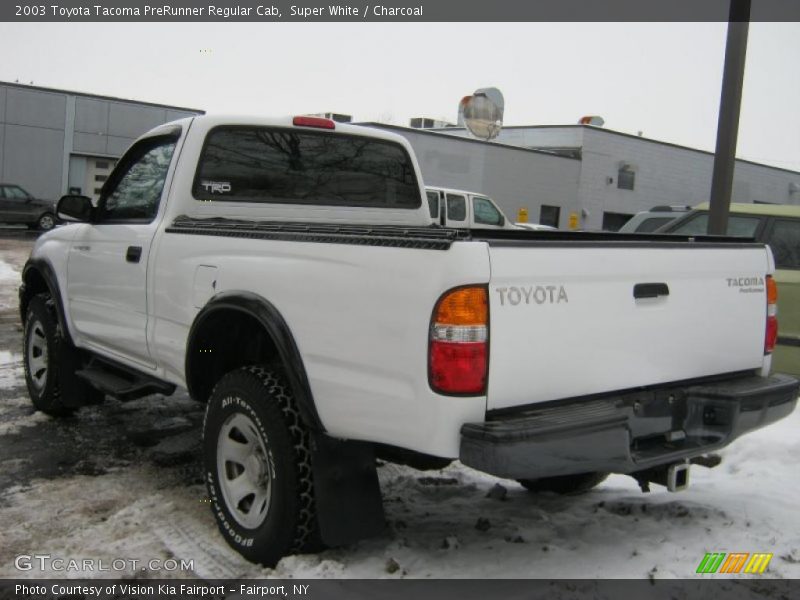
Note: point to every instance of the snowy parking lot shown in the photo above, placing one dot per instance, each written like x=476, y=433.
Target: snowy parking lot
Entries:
x=122, y=480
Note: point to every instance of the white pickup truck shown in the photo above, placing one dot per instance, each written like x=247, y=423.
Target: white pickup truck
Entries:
x=285, y=272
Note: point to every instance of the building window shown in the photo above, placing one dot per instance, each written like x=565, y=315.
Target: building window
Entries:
x=101, y=164
x=625, y=178
x=549, y=215
x=100, y=177
x=97, y=191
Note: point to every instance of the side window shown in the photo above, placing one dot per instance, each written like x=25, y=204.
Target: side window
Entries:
x=694, y=225
x=485, y=212
x=16, y=192
x=135, y=188
x=651, y=224
x=456, y=208
x=738, y=225
x=433, y=204
x=785, y=243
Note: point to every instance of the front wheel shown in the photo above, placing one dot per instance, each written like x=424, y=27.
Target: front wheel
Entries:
x=565, y=484
x=46, y=222
x=51, y=362
x=257, y=464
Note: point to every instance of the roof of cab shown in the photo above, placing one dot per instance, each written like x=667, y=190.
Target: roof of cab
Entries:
x=215, y=120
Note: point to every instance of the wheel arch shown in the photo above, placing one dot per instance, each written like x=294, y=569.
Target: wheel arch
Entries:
x=38, y=276
x=215, y=328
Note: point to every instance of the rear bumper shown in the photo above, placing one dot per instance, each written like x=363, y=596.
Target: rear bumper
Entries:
x=628, y=432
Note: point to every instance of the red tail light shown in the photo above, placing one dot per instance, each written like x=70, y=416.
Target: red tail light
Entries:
x=317, y=122
x=771, y=336
x=459, y=336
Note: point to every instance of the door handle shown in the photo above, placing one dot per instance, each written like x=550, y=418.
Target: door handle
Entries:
x=650, y=290
x=133, y=254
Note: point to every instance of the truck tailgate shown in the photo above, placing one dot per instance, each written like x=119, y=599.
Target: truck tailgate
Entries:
x=565, y=322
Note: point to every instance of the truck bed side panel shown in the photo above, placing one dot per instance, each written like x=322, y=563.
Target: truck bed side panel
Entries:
x=360, y=317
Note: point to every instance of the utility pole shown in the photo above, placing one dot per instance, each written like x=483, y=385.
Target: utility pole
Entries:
x=728, y=123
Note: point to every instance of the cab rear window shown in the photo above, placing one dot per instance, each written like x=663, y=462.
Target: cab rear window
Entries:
x=287, y=166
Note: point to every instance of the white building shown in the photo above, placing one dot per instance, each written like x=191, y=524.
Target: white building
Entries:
x=601, y=177
x=56, y=141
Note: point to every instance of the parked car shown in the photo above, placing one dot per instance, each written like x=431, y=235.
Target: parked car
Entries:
x=18, y=206
x=461, y=209
x=284, y=272
x=779, y=227
x=653, y=219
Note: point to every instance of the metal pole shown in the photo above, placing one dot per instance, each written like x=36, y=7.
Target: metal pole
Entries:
x=728, y=123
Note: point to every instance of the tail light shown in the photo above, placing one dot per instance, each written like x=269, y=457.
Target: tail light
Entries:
x=771, y=336
x=459, y=338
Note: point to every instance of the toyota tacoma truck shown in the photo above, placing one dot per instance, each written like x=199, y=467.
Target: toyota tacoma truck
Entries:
x=285, y=273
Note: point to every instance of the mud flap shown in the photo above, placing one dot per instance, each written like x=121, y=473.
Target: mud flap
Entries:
x=346, y=490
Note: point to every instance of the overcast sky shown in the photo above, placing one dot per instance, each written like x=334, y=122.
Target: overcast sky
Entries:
x=659, y=78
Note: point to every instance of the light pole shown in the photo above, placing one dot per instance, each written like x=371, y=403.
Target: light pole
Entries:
x=728, y=123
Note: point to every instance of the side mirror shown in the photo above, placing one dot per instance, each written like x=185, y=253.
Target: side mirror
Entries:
x=75, y=209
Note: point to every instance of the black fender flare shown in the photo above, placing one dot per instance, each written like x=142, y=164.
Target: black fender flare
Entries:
x=276, y=327
x=46, y=271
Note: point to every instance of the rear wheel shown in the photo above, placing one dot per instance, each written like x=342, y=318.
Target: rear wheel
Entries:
x=51, y=362
x=257, y=462
x=565, y=484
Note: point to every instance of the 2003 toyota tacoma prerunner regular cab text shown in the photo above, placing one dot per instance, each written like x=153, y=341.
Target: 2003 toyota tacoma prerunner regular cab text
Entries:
x=285, y=272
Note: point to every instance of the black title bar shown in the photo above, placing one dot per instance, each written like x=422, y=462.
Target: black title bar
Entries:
x=255, y=11
x=394, y=589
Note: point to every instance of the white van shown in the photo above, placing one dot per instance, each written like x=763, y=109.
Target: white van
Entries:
x=465, y=210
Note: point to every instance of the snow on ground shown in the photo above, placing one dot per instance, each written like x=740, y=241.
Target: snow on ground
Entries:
x=141, y=510
x=123, y=481
x=10, y=369
x=8, y=274
x=9, y=281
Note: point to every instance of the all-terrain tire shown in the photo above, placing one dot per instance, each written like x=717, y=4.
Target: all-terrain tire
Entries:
x=257, y=465
x=51, y=361
x=565, y=484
